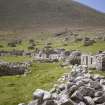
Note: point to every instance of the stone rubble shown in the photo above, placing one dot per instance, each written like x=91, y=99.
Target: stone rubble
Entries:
x=78, y=88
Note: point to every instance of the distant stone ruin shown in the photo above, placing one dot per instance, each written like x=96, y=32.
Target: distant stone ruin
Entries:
x=7, y=69
x=87, y=41
x=77, y=88
x=15, y=53
x=96, y=61
x=51, y=55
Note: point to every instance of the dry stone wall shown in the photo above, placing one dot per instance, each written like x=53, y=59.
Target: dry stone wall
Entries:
x=79, y=88
x=13, y=68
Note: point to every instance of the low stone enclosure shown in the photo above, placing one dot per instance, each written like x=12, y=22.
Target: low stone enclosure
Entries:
x=77, y=88
x=7, y=69
x=55, y=55
x=15, y=53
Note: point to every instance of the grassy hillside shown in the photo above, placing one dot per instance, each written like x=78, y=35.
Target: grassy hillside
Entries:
x=33, y=14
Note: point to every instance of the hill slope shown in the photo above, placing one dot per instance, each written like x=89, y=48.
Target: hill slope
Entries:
x=47, y=13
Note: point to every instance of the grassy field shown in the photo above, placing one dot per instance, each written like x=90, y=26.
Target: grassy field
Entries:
x=102, y=73
x=16, y=89
x=100, y=45
x=15, y=58
x=58, y=43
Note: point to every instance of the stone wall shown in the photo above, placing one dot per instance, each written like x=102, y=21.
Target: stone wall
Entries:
x=13, y=68
x=79, y=88
x=16, y=53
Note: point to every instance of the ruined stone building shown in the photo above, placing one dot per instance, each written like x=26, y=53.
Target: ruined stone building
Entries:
x=94, y=61
x=89, y=60
x=100, y=61
x=53, y=55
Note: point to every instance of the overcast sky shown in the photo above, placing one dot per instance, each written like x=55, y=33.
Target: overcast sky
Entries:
x=96, y=4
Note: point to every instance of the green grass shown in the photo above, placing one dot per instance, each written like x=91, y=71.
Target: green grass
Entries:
x=23, y=46
x=15, y=58
x=102, y=73
x=16, y=89
x=43, y=38
x=100, y=45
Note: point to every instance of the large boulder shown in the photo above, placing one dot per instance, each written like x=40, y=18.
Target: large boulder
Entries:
x=102, y=81
x=99, y=100
x=98, y=93
x=87, y=91
x=77, y=96
x=61, y=87
x=41, y=94
x=38, y=94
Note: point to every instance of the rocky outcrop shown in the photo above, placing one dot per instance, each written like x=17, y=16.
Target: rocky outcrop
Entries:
x=79, y=88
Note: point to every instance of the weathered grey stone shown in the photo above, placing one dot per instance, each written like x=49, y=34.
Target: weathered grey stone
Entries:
x=95, y=84
x=72, y=90
x=47, y=95
x=54, y=96
x=64, y=100
x=80, y=83
x=102, y=81
x=86, y=80
x=88, y=100
x=69, y=85
x=101, y=104
x=61, y=87
x=81, y=103
x=103, y=87
x=49, y=102
x=39, y=93
x=87, y=91
x=99, y=100
x=98, y=93
x=79, y=78
x=77, y=96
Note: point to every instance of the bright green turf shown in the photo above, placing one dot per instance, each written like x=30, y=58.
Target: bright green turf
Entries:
x=102, y=73
x=99, y=45
x=15, y=58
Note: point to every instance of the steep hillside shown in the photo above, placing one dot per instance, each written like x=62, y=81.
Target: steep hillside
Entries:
x=24, y=14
